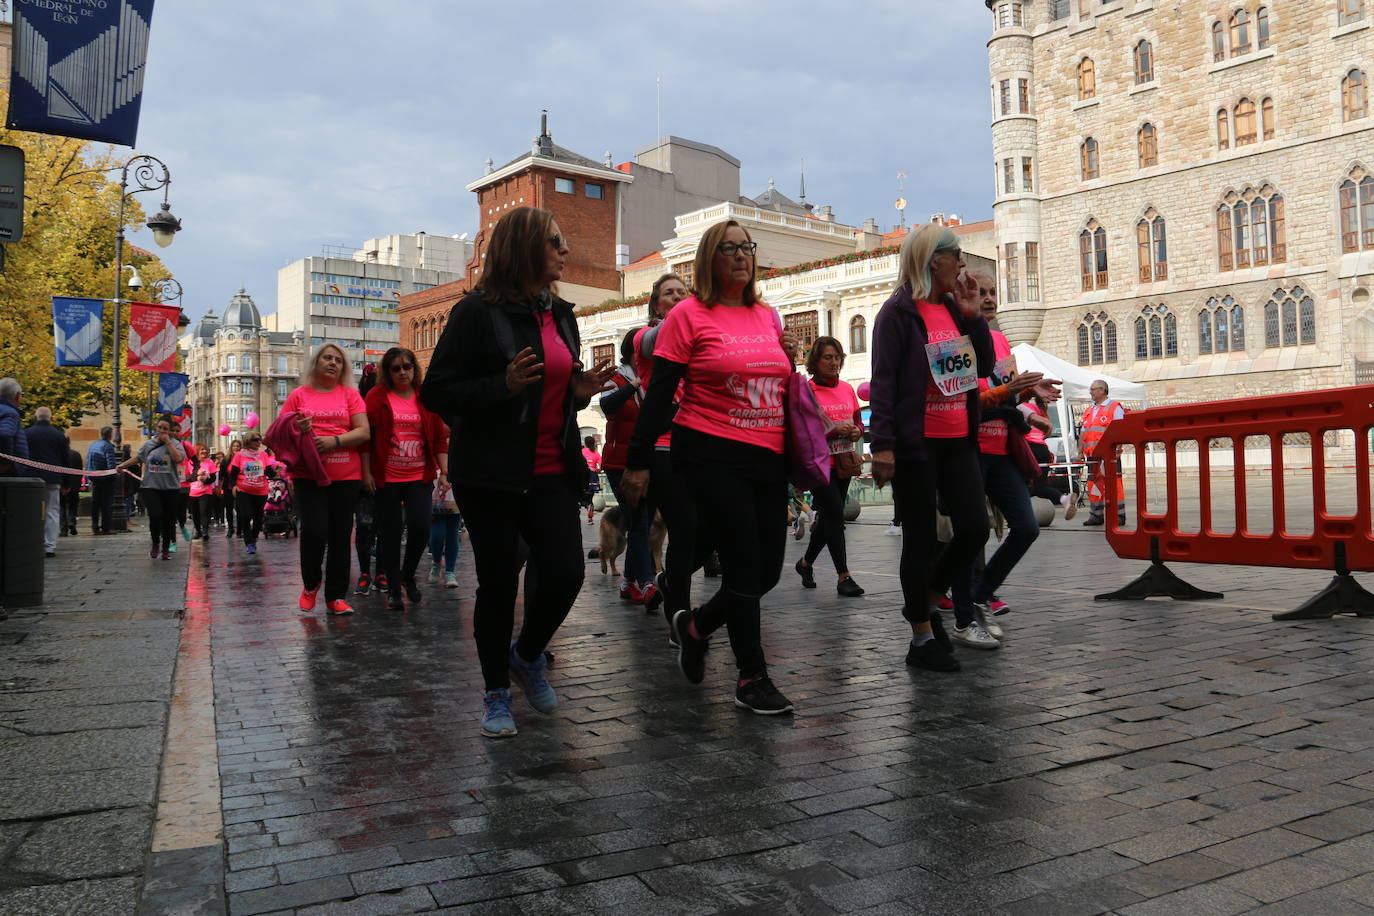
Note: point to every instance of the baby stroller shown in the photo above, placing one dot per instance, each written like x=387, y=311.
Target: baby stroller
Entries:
x=279, y=517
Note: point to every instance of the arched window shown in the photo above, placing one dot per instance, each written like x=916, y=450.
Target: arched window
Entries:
x=1353, y=96
x=858, y=335
x=1147, y=144
x=1152, y=247
x=1267, y=118
x=1357, y=211
x=1245, y=122
x=1348, y=11
x=1096, y=340
x=1087, y=79
x=1261, y=28
x=1240, y=33
x=1218, y=42
x=1156, y=333
x=1092, y=255
x=1221, y=327
x=231, y=363
x=1250, y=229
x=1088, y=159
x=1290, y=318
x=1144, y=62
x=1223, y=130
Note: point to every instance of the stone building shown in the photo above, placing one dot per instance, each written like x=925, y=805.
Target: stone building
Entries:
x=237, y=367
x=1185, y=190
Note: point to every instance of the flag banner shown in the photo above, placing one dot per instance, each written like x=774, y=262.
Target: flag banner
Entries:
x=171, y=392
x=153, y=336
x=76, y=330
x=77, y=67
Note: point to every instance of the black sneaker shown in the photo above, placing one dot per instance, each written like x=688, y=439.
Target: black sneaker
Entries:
x=393, y=600
x=761, y=696
x=412, y=589
x=848, y=588
x=364, y=585
x=691, y=653
x=931, y=656
x=653, y=601
x=937, y=626
x=807, y=574
x=381, y=584
x=1094, y=523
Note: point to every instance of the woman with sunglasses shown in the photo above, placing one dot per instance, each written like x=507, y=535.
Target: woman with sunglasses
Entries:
x=505, y=376
x=730, y=349
x=160, y=490
x=248, y=482
x=930, y=347
x=409, y=449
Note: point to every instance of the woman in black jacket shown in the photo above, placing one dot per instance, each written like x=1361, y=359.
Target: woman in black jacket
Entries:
x=506, y=378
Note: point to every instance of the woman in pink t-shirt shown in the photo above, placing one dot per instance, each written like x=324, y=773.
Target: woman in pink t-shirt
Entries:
x=837, y=401
x=729, y=349
x=247, y=480
x=506, y=378
x=202, y=492
x=332, y=412
x=409, y=450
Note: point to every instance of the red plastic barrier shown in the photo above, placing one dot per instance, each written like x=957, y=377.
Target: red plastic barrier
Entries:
x=1339, y=542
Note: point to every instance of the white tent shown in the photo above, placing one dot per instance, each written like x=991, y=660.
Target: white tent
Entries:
x=1076, y=381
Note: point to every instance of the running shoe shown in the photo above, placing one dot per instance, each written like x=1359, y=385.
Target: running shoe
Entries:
x=997, y=606
x=364, y=585
x=980, y=613
x=974, y=636
x=154, y=553
x=308, y=598
x=250, y=548
x=497, y=720
x=338, y=606
x=412, y=589
x=381, y=583
x=433, y=572
x=759, y=694
x=807, y=574
x=848, y=588
x=652, y=601
x=450, y=580
x=630, y=593
x=172, y=547
x=229, y=533
x=799, y=529
x=185, y=533
x=945, y=603
x=530, y=677
x=691, y=653
x=894, y=531
x=167, y=554
x=937, y=626
x=931, y=656
x=648, y=590
x=1094, y=522
x=394, y=602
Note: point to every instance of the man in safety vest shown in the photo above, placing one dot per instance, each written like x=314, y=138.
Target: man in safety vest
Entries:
x=1099, y=415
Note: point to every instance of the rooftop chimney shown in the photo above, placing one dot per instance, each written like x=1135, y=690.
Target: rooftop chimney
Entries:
x=827, y=213
x=954, y=220
x=870, y=225
x=937, y=219
x=543, y=144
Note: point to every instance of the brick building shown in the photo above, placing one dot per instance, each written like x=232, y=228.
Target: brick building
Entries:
x=1183, y=190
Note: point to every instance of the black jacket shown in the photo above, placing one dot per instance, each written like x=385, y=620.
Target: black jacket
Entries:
x=47, y=444
x=493, y=430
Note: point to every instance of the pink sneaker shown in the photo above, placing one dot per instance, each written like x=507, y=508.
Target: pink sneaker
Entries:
x=339, y=606
x=945, y=603
x=308, y=598
x=997, y=607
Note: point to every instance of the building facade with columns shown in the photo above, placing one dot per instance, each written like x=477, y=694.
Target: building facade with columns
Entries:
x=238, y=367
x=1185, y=190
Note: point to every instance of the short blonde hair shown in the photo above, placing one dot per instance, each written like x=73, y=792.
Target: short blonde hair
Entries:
x=918, y=249
x=345, y=377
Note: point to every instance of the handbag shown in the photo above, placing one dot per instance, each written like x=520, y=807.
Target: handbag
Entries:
x=808, y=436
x=848, y=464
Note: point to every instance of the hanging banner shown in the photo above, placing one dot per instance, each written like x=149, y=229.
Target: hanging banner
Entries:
x=153, y=336
x=76, y=330
x=77, y=67
x=171, y=392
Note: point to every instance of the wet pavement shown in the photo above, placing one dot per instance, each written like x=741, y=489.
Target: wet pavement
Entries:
x=1136, y=758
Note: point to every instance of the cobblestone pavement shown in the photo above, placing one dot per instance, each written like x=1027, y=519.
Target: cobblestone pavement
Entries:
x=1138, y=758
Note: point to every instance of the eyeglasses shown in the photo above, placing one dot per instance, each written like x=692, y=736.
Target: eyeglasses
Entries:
x=403, y=367
x=729, y=248
x=955, y=253
x=557, y=241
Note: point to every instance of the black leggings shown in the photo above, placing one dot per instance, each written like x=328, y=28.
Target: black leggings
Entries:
x=672, y=496
x=949, y=472
x=161, y=506
x=326, y=515
x=417, y=495
x=747, y=520
x=828, y=531
x=547, y=520
x=201, y=512
x=250, y=515
x=226, y=500
x=1041, y=485
x=365, y=516
x=183, y=504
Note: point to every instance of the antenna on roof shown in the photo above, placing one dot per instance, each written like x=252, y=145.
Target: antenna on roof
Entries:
x=802, y=200
x=658, y=106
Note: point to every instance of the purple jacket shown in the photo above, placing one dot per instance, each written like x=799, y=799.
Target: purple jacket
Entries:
x=295, y=449
x=901, y=374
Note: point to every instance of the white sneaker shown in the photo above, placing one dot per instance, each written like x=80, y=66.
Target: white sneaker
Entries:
x=894, y=531
x=450, y=580
x=434, y=572
x=973, y=636
x=980, y=614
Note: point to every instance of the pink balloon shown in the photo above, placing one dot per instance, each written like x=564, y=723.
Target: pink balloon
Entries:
x=224, y=429
x=863, y=391
x=250, y=420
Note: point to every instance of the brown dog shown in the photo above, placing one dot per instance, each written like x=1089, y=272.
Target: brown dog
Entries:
x=613, y=539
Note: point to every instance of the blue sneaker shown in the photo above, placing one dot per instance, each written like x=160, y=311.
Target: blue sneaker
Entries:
x=185, y=534
x=530, y=676
x=251, y=548
x=172, y=547
x=497, y=721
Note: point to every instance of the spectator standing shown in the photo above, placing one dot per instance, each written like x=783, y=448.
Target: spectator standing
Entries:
x=13, y=440
x=1096, y=419
x=71, y=490
x=48, y=445
x=101, y=457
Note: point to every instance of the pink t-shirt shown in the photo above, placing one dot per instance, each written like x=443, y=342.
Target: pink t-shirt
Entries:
x=548, y=442
x=840, y=404
x=252, y=467
x=1036, y=434
x=198, y=486
x=188, y=468
x=405, y=456
x=992, y=434
x=644, y=368
x=331, y=414
x=593, y=459
x=736, y=370
x=946, y=416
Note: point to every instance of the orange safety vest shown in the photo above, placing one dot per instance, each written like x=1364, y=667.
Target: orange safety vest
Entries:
x=1095, y=421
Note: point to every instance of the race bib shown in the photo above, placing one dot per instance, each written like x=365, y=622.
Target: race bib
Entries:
x=1004, y=370
x=953, y=365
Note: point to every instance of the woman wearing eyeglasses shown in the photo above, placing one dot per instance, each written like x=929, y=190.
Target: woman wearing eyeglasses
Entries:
x=730, y=350
x=505, y=376
x=930, y=347
x=408, y=451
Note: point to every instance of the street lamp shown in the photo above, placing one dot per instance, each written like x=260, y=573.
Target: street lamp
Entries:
x=149, y=174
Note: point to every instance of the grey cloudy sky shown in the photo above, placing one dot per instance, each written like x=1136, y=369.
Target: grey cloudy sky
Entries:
x=293, y=124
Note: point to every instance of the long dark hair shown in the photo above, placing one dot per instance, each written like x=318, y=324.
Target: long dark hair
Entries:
x=514, y=259
x=384, y=371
